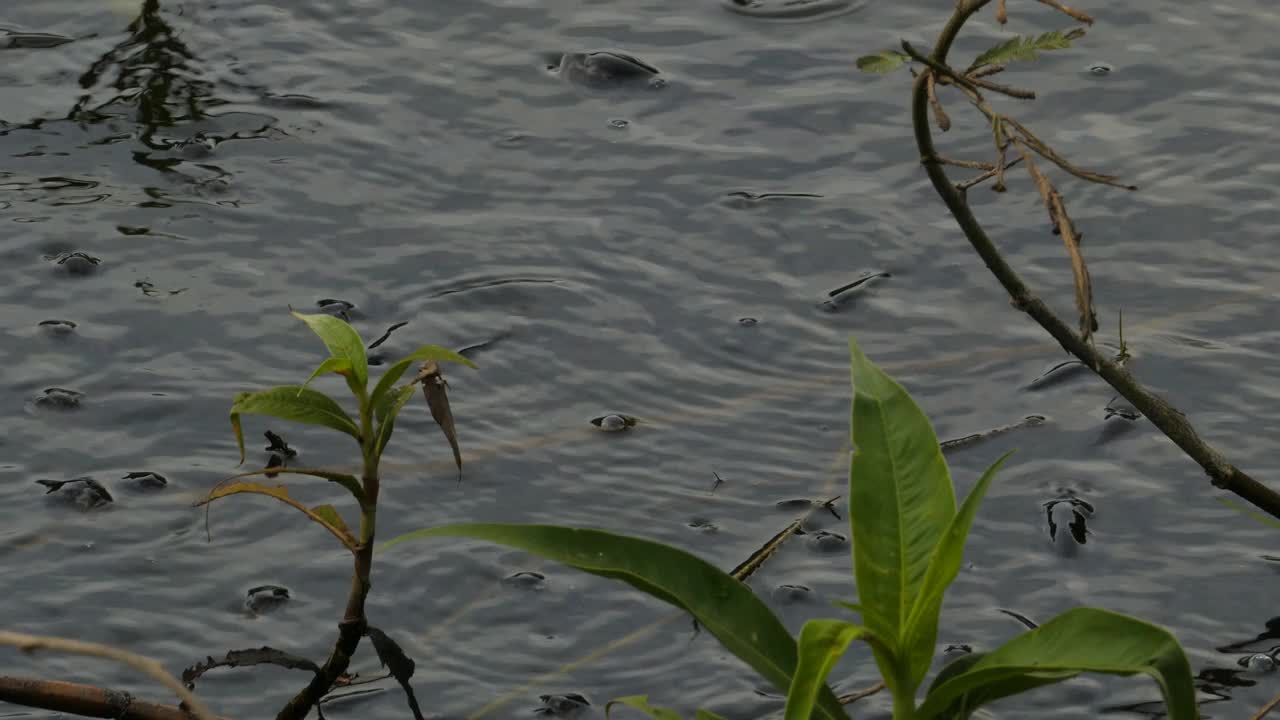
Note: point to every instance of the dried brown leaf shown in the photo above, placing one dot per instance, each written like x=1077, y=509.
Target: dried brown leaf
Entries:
x=435, y=389
x=1082, y=17
x=1002, y=13
x=1070, y=238
x=1049, y=154
x=939, y=115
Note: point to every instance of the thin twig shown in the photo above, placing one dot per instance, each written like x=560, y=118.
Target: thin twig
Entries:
x=979, y=179
x=866, y=692
x=971, y=164
x=1082, y=17
x=1266, y=709
x=31, y=643
x=1004, y=89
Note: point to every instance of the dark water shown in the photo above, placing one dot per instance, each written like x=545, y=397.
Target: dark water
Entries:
x=608, y=235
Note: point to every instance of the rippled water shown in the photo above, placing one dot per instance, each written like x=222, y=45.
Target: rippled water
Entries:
x=614, y=241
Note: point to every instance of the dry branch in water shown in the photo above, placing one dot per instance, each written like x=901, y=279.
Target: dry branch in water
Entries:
x=32, y=643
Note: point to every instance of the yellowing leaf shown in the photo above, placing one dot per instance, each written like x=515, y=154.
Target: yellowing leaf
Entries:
x=325, y=515
x=883, y=62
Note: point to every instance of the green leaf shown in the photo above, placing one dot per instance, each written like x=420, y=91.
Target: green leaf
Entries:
x=883, y=62
x=398, y=368
x=967, y=704
x=329, y=514
x=1080, y=640
x=726, y=607
x=343, y=342
x=340, y=366
x=387, y=411
x=291, y=402
x=1025, y=48
x=822, y=643
x=348, y=481
x=922, y=625
x=901, y=501
x=1256, y=516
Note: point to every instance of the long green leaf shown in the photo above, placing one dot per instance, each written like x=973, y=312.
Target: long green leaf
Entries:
x=291, y=402
x=901, y=501
x=882, y=62
x=922, y=626
x=964, y=706
x=726, y=607
x=1026, y=48
x=399, y=367
x=1080, y=640
x=387, y=411
x=822, y=644
x=343, y=342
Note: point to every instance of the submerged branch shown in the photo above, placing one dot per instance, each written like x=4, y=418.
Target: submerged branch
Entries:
x=1164, y=416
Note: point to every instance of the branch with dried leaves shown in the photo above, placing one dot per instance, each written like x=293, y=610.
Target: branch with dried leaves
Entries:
x=1009, y=133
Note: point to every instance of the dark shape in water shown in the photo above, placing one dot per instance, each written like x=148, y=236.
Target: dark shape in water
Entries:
x=275, y=461
x=76, y=263
x=58, y=327
x=703, y=525
x=386, y=335
x=1272, y=632
x=147, y=479
x=614, y=422
x=1258, y=663
x=337, y=308
x=794, y=504
x=1057, y=373
x=789, y=594
x=475, y=348
x=1121, y=409
x=606, y=69
x=1068, y=519
x=844, y=294
x=1026, y=621
x=265, y=598
x=14, y=40
x=1100, y=69
x=88, y=493
x=526, y=580
x=791, y=9
x=566, y=705
x=58, y=399
x=745, y=199
x=748, y=321
x=826, y=541
x=278, y=445
x=957, y=649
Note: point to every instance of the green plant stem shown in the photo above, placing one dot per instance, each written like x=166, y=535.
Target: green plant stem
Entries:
x=904, y=707
x=1164, y=416
x=353, y=624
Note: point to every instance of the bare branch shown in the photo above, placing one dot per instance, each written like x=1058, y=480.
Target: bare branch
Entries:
x=979, y=179
x=971, y=164
x=985, y=70
x=32, y=643
x=1266, y=709
x=1082, y=17
x=1004, y=89
x=866, y=692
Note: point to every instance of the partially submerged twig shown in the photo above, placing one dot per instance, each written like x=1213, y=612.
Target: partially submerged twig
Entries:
x=32, y=643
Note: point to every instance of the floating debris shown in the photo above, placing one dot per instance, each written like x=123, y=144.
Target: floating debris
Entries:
x=791, y=9
x=1057, y=373
x=606, y=69
x=147, y=480
x=265, y=598
x=844, y=294
x=275, y=461
x=58, y=399
x=337, y=308
x=789, y=594
x=614, y=423
x=526, y=580
x=967, y=440
x=567, y=705
x=1120, y=408
x=704, y=525
x=1258, y=664
x=1068, y=520
x=278, y=445
x=76, y=263
x=1100, y=69
x=387, y=334
x=58, y=327
x=826, y=541
x=748, y=321
x=86, y=492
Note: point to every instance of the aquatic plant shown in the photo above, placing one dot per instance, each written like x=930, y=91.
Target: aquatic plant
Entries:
x=908, y=542
x=1014, y=143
